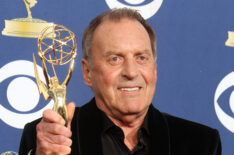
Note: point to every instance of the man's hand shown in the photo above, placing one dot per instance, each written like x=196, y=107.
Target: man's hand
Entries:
x=52, y=135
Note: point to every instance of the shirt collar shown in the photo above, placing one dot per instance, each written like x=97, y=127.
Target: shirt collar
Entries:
x=107, y=125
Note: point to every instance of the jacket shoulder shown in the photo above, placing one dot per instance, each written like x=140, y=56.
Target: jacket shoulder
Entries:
x=181, y=124
x=192, y=136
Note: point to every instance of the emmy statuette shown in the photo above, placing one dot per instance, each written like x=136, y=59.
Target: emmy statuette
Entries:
x=25, y=27
x=56, y=46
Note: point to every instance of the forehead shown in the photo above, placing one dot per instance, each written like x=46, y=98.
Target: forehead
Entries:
x=121, y=33
x=120, y=26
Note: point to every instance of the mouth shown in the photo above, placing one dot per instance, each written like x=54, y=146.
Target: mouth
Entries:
x=130, y=89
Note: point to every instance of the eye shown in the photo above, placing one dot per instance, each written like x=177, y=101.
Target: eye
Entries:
x=142, y=58
x=115, y=60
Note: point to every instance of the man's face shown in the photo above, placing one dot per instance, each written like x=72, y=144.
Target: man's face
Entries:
x=122, y=72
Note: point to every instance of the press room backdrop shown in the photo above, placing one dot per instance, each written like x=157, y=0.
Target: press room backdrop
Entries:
x=195, y=67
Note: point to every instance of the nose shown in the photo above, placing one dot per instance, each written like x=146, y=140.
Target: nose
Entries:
x=130, y=70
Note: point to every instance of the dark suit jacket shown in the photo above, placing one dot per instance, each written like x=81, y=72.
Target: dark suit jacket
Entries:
x=169, y=135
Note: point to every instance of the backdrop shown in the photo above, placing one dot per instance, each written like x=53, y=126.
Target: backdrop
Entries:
x=195, y=67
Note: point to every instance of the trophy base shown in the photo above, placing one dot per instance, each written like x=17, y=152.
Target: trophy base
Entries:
x=25, y=27
x=230, y=40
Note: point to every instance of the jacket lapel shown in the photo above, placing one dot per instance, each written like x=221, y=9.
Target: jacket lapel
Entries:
x=89, y=130
x=160, y=139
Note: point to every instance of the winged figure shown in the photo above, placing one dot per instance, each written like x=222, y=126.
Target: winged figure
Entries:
x=29, y=4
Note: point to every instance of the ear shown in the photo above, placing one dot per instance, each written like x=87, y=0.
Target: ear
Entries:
x=86, y=72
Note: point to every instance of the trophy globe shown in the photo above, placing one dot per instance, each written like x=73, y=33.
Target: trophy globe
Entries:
x=57, y=45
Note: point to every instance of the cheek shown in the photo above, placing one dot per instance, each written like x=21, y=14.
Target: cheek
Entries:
x=105, y=77
x=150, y=75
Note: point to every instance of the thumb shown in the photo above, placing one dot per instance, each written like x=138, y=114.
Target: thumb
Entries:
x=70, y=110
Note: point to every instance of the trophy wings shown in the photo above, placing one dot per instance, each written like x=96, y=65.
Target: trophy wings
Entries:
x=31, y=3
x=41, y=86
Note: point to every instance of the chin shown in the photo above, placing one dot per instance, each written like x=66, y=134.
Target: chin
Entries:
x=134, y=109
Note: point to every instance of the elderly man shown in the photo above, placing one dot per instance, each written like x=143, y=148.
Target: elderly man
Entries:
x=119, y=64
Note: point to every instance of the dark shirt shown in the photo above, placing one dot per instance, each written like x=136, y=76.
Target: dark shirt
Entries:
x=112, y=139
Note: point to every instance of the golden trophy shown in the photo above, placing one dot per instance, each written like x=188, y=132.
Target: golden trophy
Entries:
x=25, y=27
x=230, y=40
x=56, y=46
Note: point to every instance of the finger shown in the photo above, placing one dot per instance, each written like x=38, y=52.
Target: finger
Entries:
x=53, y=128
x=54, y=139
x=70, y=109
x=51, y=116
x=46, y=147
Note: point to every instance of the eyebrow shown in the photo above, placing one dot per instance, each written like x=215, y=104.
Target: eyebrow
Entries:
x=111, y=53
x=147, y=52
x=108, y=53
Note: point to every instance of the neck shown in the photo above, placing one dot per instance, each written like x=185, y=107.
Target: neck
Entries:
x=130, y=127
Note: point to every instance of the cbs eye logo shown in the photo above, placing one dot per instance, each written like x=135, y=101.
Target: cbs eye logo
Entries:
x=9, y=153
x=147, y=8
x=225, y=112
x=21, y=94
